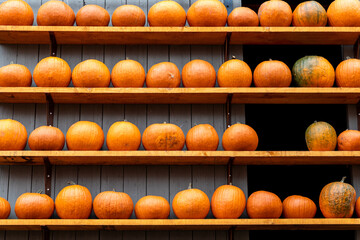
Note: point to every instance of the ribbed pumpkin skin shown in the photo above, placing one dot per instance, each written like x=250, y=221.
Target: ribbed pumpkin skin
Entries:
x=74, y=202
x=191, y=204
x=263, y=204
x=163, y=136
x=349, y=140
x=313, y=71
x=234, y=73
x=15, y=75
x=202, y=137
x=320, y=136
x=84, y=135
x=152, y=207
x=240, y=137
x=91, y=73
x=163, y=75
x=228, y=202
x=337, y=200
x=123, y=136
x=92, y=15
x=344, y=13
x=5, y=208
x=243, y=16
x=296, y=206
x=13, y=135
x=46, y=138
x=128, y=16
x=198, y=73
x=309, y=14
x=347, y=73
x=55, y=13
x=113, y=205
x=34, y=206
x=128, y=73
x=272, y=73
x=167, y=14
x=52, y=72
x=207, y=13
x=275, y=13
x=16, y=12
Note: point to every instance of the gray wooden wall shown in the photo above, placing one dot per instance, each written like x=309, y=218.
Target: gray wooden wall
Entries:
x=137, y=181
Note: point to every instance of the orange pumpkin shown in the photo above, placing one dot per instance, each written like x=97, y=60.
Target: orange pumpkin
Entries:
x=128, y=16
x=349, y=140
x=357, y=208
x=309, y=14
x=123, y=136
x=320, y=136
x=74, y=202
x=198, y=73
x=91, y=73
x=46, y=138
x=16, y=12
x=202, y=137
x=207, y=13
x=234, y=73
x=34, y=206
x=163, y=75
x=272, y=73
x=84, y=135
x=128, y=73
x=344, y=13
x=13, y=135
x=240, y=137
x=15, y=75
x=92, y=15
x=243, y=16
x=5, y=208
x=347, y=73
x=152, y=207
x=296, y=206
x=167, y=14
x=275, y=13
x=52, y=72
x=113, y=205
x=55, y=13
x=164, y=136
x=263, y=204
x=228, y=202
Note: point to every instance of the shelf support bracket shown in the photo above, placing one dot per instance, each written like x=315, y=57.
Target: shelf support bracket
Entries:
x=45, y=233
x=229, y=171
x=228, y=110
x=49, y=110
x=53, y=44
x=227, y=46
x=48, y=175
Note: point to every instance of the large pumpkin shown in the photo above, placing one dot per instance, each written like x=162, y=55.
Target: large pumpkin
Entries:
x=84, y=135
x=272, y=73
x=344, y=13
x=243, y=16
x=15, y=75
x=152, y=207
x=128, y=16
x=52, y=72
x=128, y=73
x=91, y=73
x=234, y=73
x=347, y=73
x=163, y=75
x=207, y=13
x=167, y=14
x=228, y=202
x=113, y=205
x=123, y=136
x=34, y=206
x=202, y=137
x=275, y=13
x=337, y=200
x=320, y=136
x=92, y=15
x=163, y=136
x=198, y=73
x=55, y=13
x=263, y=204
x=296, y=206
x=349, y=140
x=240, y=137
x=16, y=12
x=309, y=14
x=313, y=71
x=46, y=138
x=5, y=208
x=13, y=135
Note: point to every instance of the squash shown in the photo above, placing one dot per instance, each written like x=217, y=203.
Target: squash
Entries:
x=92, y=15
x=167, y=14
x=357, y=208
x=240, y=137
x=202, y=137
x=234, y=73
x=123, y=136
x=5, y=208
x=113, y=205
x=52, y=72
x=46, y=138
x=349, y=140
x=337, y=200
x=128, y=73
x=34, y=206
x=309, y=14
x=296, y=206
x=275, y=13
x=344, y=13
x=207, y=13
x=16, y=12
x=243, y=16
x=91, y=73
x=85, y=135
x=198, y=73
x=347, y=73
x=163, y=75
x=320, y=136
x=163, y=136
x=272, y=73
x=15, y=75
x=13, y=135
x=152, y=207
x=263, y=204
x=128, y=16
x=55, y=13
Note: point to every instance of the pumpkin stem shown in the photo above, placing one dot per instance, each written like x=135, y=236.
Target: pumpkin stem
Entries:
x=40, y=191
x=233, y=57
x=231, y=184
x=347, y=57
x=12, y=62
x=343, y=179
x=114, y=190
x=164, y=122
x=71, y=183
x=270, y=59
x=127, y=58
x=189, y=187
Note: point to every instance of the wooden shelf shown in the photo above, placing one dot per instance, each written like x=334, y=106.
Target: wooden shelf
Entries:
x=179, y=35
x=179, y=157
x=214, y=95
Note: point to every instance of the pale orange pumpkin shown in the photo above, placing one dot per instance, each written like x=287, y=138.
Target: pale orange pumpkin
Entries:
x=234, y=73
x=46, y=138
x=163, y=136
x=163, y=75
x=13, y=135
x=91, y=73
x=272, y=73
x=263, y=204
x=198, y=73
x=123, y=136
x=309, y=13
x=113, y=205
x=16, y=12
x=275, y=13
x=55, y=13
x=5, y=208
x=128, y=16
x=320, y=136
x=296, y=206
x=92, y=15
x=202, y=137
x=167, y=14
x=15, y=75
x=52, y=72
x=240, y=137
x=347, y=73
x=152, y=207
x=243, y=16
x=344, y=13
x=207, y=13
x=34, y=206
x=128, y=73
x=85, y=135
x=228, y=202
x=349, y=140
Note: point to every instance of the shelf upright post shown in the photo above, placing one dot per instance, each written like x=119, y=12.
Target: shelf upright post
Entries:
x=47, y=164
x=45, y=233
x=53, y=44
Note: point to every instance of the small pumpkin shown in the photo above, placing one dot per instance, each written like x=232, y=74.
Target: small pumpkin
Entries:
x=91, y=73
x=163, y=75
x=228, y=202
x=84, y=135
x=13, y=135
x=243, y=16
x=202, y=137
x=309, y=14
x=264, y=204
x=152, y=207
x=92, y=15
x=128, y=73
x=15, y=75
x=163, y=136
x=34, y=206
x=5, y=208
x=320, y=136
x=167, y=14
x=123, y=136
x=296, y=206
x=113, y=205
x=198, y=73
x=207, y=13
x=344, y=13
x=347, y=73
x=128, y=16
x=52, y=72
x=337, y=200
x=234, y=73
x=55, y=13
x=240, y=137
x=272, y=73
x=349, y=140
x=313, y=71
x=275, y=13
x=46, y=138
x=16, y=12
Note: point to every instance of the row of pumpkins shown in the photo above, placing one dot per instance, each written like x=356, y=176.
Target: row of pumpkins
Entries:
x=337, y=200
x=170, y=13
x=309, y=71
